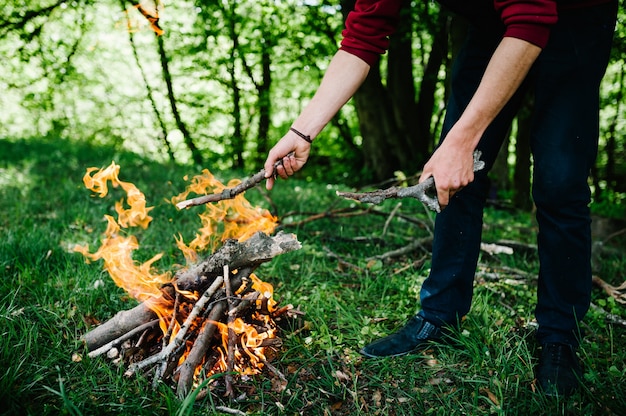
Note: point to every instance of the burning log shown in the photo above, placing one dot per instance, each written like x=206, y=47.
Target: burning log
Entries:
x=196, y=327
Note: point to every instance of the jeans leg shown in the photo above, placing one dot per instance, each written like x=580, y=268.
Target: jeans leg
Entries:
x=446, y=294
x=564, y=144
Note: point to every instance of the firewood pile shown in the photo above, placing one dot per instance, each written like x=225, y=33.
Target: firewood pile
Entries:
x=182, y=338
x=213, y=320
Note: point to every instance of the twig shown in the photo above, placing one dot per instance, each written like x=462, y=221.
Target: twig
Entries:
x=341, y=261
x=274, y=370
x=245, y=302
x=187, y=369
x=179, y=338
x=416, y=263
x=615, y=234
x=388, y=221
x=230, y=411
x=228, y=193
x=416, y=191
x=609, y=317
x=403, y=250
x=162, y=369
x=170, y=328
x=613, y=291
x=230, y=354
x=338, y=213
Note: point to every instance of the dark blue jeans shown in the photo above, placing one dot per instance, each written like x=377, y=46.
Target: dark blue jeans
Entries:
x=565, y=83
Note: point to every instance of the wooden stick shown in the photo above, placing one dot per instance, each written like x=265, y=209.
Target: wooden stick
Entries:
x=179, y=338
x=613, y=291
x=258, y=249
x=202, y=343
x=118, y=325
x=419, y=243
x=229, y=193
x=609, y=317
x=187, y=369
x=230, y=353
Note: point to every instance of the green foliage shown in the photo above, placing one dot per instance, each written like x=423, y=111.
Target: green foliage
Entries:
x=49, y=297
x=69, y=70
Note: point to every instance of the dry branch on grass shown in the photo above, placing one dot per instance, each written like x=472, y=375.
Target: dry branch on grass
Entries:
x=616, y=292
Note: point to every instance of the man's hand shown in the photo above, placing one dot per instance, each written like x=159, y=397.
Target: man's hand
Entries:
x=452, y=163
x=291, y=152
x=452, y=167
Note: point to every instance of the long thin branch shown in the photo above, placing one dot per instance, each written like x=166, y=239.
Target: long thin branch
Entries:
x=613, y=291
x=228, y=193
x=230, y=353
x=609, y=317
x=403, y=250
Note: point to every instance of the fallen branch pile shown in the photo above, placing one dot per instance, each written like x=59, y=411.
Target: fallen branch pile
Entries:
x=210, y=319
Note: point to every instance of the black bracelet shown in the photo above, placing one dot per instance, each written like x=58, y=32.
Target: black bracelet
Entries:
x=304, y=136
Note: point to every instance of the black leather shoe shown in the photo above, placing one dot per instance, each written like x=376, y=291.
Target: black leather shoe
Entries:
x=415, y=335
x=559, y=371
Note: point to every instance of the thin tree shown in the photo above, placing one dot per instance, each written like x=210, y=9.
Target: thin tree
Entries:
x=153, y=18
x=149, y=91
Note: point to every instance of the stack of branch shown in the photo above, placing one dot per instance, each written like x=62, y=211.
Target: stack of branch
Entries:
x=136, y=337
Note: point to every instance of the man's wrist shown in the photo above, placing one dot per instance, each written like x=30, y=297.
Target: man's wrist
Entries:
x=304, y=136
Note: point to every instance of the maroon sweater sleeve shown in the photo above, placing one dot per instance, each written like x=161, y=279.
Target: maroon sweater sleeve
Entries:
x=368, y=28
x=529, y=20
x=370, y=24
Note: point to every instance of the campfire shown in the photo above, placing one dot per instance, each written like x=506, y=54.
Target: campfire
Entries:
x=207, y=324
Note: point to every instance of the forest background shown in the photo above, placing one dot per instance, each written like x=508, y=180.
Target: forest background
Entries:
x=218, y=83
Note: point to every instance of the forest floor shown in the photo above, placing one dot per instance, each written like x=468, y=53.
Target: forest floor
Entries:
x=348, y=280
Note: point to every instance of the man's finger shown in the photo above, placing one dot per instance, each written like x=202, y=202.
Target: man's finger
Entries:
x=444, y=198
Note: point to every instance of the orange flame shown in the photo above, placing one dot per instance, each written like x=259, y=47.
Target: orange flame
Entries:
x=150, y=11
x=116, y=250
x=230, y=218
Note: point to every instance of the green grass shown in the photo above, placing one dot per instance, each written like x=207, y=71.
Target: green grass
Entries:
x=49, y=296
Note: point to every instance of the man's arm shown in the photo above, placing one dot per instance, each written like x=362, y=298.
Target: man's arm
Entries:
x=344, y=75
x=452, y=163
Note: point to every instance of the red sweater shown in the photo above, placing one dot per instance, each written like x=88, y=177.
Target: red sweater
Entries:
x=369, y=25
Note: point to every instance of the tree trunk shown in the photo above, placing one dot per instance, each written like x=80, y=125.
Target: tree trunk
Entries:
x=425, y=132
x=264, y=103
x=149, y=91
x=195, y=153
x=402, y=88
x=237, y=139
x=521, y=175
x=386, y=148
x=378, y=127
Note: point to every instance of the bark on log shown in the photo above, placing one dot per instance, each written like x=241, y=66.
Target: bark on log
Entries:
x=120, y=324
x=258, y=249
